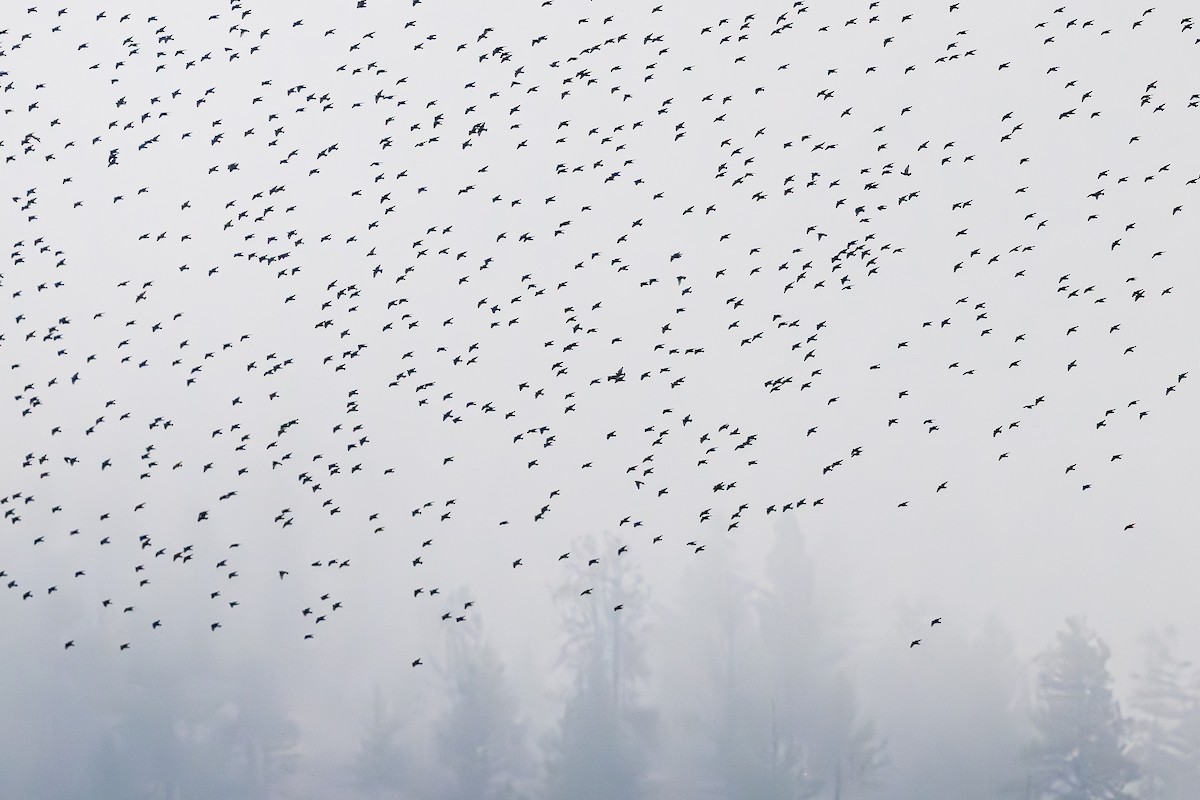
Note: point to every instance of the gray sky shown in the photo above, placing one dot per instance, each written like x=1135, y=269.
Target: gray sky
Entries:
x=301, y=223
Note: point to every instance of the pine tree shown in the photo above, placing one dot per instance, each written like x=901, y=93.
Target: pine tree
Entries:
x=381, y=765
x=1081, y=749
x=480, y=743
x=821, y=743
x=710, y=670
x=1167, y=727
x=600, y=750
x=963, y=696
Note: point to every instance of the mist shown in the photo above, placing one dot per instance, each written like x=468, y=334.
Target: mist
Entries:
x=731, y=686
x=581, y=400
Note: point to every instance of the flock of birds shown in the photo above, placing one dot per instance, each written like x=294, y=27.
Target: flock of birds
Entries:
x=353, y=268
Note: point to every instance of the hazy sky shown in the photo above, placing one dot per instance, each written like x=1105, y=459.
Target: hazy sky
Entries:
x=469, y=282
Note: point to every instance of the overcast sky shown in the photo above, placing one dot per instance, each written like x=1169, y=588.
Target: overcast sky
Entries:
x=362, y=283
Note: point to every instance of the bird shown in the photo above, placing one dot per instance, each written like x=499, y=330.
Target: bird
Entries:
x=914, y=643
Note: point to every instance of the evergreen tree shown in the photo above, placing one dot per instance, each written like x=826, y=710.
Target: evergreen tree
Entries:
x=819, y=742
x=958, y=724
x=480, y=743
x=1081, y=749
x=381, y=765
x=1167, y=726
x=710, y=672
x=204, y=731
x=600, y=750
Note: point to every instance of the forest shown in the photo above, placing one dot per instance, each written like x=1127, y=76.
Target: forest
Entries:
x=732, y=689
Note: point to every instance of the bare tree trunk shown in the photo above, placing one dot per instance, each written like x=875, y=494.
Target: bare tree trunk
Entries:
x=616, y=656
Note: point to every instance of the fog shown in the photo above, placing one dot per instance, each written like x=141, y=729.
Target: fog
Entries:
x=580, y=399
x=730, y=687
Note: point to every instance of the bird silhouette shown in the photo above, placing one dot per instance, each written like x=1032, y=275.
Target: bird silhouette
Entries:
x=354, y=289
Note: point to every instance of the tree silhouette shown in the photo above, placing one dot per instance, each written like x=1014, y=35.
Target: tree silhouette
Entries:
x=965, y=695
x=1167, y=725
x=600, y=750
x=818, y=737
x=381, y=766
x=710, y=666
x=758, y=692
x=480, y=744
x=1081, y=749
x=204, y=731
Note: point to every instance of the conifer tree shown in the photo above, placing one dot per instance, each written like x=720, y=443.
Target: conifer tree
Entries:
x=1081, y=751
